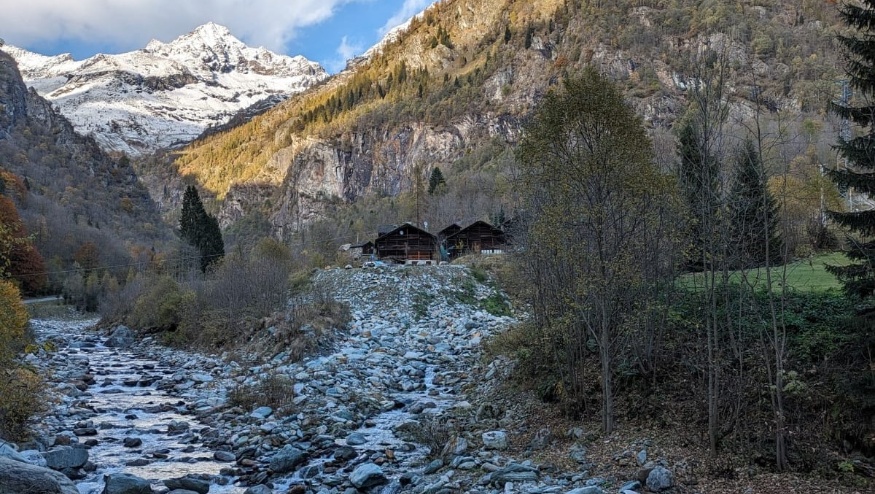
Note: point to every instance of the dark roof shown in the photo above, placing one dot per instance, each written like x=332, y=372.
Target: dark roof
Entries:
x=405, y=226
x=358, y=246
x=453, y=227
x=492, y=229
x=384, y=229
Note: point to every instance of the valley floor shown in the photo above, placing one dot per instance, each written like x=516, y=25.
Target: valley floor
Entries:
x=402, y=400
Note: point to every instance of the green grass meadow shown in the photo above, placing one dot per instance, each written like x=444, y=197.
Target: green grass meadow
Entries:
x=807, y=275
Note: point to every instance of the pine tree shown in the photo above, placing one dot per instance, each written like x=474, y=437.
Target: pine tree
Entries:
x=859, y=276
x=699, y=182
x=753, y=212
x=200, y=229
x=435, y=181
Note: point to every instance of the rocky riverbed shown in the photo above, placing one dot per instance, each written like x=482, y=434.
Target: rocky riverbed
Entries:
x=403, y=377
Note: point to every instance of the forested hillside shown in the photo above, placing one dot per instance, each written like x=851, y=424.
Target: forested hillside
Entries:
x=452, y=90
x=87, y=214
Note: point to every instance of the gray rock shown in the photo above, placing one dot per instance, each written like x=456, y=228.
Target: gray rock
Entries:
x=433, y=467
x=188, y=484
x=122, y=337
x=660, y=479
x=261, y=413
x=356, y=439
x=455, y=447
x=632, y=485
x=641, y=457
x=367, y=475
x=226, y=456
x=515, y=472
x=66, y=457
x=258, y=489
x=7, y=450
x=21, y=478
x=287, y=459
x=578, y=453
x=34, y=457
x=125, y=483
x=495, y=440
x=587, y=490
x=345, y=453
x=542, y=439
x=132, y=442
x=182, y=491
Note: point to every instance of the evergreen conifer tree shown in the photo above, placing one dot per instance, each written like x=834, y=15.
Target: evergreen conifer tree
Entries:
x=753, y=212
x=699, y=182
x=435, y=180
x=200, y=229
x=858, y=277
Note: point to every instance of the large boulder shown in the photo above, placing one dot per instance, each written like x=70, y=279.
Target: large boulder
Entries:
x=188, y=484
x=66, y=457
x=515, y=472
x=21, y=478
x=367, y=475
x=8, y=450
x=125, y=483
x=286, y=459
x=660, y=479
x=495, y=440
x=122, y=337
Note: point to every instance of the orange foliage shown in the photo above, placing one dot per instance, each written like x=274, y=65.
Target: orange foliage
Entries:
x=13, y=183
x=26, y=265
x=87, y=256
x=13, y=316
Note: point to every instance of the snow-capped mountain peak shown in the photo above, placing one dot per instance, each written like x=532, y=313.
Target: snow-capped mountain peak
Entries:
x=166, y=93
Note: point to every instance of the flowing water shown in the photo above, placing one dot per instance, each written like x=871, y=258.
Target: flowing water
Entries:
x=125, y=401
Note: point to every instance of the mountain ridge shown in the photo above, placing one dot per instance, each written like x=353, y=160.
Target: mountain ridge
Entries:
x=165, y=94
x=460, y=79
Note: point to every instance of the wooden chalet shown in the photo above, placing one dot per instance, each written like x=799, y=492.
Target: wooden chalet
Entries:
x=477, y=238
x=448, y=232
x=407, y=243
x=361, y=250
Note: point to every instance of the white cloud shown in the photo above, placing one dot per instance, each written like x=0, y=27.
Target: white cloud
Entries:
x=408, y=10
x=130, y=24
x=345, y=51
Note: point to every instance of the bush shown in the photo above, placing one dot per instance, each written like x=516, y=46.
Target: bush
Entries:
x=21, y=397
x=273, y=390
x=13, y=318
x=159, y=307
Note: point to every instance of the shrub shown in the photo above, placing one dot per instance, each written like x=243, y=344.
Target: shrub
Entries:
x=159, y=306
x=13, y=318
x=21, y=396
x=432, y=432
x=273, y=390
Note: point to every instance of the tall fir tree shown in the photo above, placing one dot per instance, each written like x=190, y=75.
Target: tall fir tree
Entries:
x=435, y=181
x=699, y=174
x=858, y=277
x=200, y=229
x=753, y=213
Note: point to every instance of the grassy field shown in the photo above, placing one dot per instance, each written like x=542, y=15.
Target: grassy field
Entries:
x=807, y=275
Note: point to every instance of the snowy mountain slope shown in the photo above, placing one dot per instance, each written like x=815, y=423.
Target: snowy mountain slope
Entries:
x=168, y=93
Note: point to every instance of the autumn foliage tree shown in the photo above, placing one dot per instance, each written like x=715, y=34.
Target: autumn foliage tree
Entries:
x=593, y=245
x=18, y=257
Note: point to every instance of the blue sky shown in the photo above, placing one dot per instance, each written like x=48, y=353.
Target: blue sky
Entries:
x=326, y=31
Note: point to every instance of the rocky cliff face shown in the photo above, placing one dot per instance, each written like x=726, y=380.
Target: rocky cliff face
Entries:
x=166, y=94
